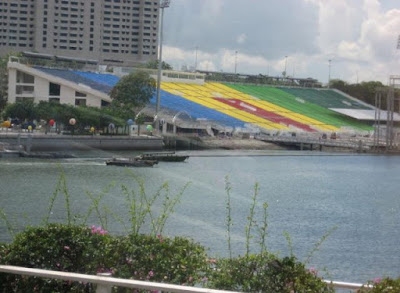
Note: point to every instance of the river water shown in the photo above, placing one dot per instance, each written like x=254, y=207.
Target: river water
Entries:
x=308, y=194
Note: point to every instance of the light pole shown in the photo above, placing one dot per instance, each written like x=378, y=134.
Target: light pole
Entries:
x=163, y=4
x=398, y=43
x=236, y=52
x=195, y=64
x=284, y=72
x=329, y=73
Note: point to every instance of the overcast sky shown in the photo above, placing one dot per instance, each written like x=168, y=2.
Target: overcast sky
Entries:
x=359, y=36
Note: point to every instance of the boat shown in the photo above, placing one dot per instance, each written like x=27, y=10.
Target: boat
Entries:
x=163, y=156
x=131, y=162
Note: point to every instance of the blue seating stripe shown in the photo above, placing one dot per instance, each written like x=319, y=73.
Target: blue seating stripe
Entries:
x=105, y=83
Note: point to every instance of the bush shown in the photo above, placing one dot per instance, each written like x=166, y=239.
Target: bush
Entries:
x=83, y=250
x=265, y=273
x=149, y=258
x=54, y=247
x=386, y=285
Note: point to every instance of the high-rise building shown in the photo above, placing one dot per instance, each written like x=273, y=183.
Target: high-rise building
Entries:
x=115, y=32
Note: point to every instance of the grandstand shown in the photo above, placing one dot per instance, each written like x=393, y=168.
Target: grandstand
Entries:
x=325, y=98
x=325, y=116
x=241, y=107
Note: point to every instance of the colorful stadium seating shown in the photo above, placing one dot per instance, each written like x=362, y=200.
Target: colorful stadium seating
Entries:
x=325, y=98
x=271, y=108
x=204, y=96
x=301, y=106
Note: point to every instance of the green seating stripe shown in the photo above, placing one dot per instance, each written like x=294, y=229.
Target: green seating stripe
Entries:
x=286, y=100
x=325, y=98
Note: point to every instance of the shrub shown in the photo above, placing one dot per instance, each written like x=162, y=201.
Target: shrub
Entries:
x=54, y=247
x=148, y=258
x=386, y=285
x=265, y=273
x=83, y=250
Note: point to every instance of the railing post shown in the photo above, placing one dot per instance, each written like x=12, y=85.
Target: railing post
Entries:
x=29, y=144
x=104, y=288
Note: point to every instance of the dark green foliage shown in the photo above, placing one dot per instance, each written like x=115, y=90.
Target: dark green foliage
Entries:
x=158, y=259
x=133, y=90
x=154, y=65
x=4, y=79
x=83, y=250
x=386, y=285
x=62, y=113
x=22, y=110
x=265, y=273
x=365, y=91
x=54, y=247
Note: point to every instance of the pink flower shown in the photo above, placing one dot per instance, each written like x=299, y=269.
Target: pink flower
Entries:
x=377, y=280
x=212, y=260
x=98, y=230
x=151, y=273
x=129, y=261
x=160, y=237
x=313, y=271
x=190, y=279
x=67, y=248
x=58, y=264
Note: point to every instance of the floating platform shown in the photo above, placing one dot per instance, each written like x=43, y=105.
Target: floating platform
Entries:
x=164, y=156
x=131, y=162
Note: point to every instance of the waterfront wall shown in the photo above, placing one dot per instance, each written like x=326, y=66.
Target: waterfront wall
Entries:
x=42, y=142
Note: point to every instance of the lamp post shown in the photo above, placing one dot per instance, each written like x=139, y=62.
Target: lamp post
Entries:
x=163, y=4
x=398, y=43
x=329, y=73
x=284, y=72
x=195, y=64
x=236, y=52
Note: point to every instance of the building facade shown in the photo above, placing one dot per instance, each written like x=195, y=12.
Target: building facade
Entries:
x=113, y=32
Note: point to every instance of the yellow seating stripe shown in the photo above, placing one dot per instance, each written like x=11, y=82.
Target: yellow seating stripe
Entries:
x=270, y=107
x=200, y=95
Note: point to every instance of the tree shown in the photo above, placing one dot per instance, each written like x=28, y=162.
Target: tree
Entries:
x=338, y=84
x=133, y=90
x=154, y=65
x=3, y=81
x=364, y=91
x=24, y=110
x=139, y=121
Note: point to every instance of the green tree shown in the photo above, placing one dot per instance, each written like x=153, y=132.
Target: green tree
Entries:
x=338, y=84
x=154, y=65
x=364, y=91
x=139, y=121
x=133, y=90
x=3, y=81
x=24, y=110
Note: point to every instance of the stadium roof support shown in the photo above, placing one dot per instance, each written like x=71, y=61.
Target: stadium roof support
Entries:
x=381, y=93
x=163, y=4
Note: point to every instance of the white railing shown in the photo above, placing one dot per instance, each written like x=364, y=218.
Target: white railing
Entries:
x=105, y=282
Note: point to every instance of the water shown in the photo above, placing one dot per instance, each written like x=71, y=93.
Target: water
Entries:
x=307, y=196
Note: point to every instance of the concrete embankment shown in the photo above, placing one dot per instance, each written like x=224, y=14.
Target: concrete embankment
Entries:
x=50, y=142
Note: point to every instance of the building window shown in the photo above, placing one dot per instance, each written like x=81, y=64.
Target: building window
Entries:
x=24, y=99
x=54, y=100
x=25, y=78
x=79, y=94
x=23, y=90
x=80, y=102
x=54, y=89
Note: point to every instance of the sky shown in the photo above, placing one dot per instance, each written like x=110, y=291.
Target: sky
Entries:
x=358, y=36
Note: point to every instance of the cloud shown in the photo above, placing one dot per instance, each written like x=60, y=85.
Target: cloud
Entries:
x=241, y=39
x=359, y=36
